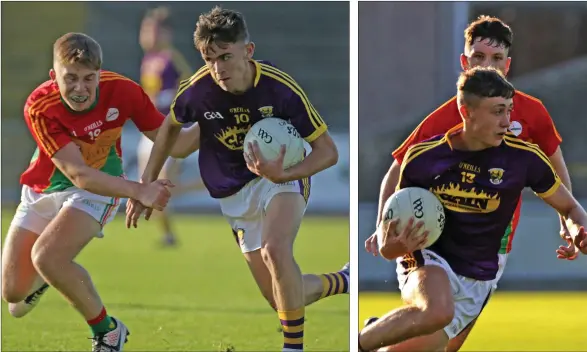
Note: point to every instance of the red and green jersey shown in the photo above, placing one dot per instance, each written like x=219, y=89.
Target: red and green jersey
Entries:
x=96, y=131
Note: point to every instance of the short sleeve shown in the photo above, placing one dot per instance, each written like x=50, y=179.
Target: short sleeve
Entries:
x=49, y=134
x=544, y=132
x=146, y=116
x=541, y=176
x=181, y=111
x=302, y=114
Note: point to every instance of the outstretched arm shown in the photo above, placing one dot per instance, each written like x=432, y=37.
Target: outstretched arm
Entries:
x=188, y=141
x=573, y=213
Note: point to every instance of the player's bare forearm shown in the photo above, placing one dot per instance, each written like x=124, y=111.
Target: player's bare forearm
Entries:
x=388, y=186
x=324, y=154
x=164, y=142
x=558, y=162
x=576, y=218
x=568, y=207
x=70, y=162
x=187, y=142
x=98, y=182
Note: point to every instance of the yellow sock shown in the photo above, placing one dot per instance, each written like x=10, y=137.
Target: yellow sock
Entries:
x=334, y=284
x=292, y=323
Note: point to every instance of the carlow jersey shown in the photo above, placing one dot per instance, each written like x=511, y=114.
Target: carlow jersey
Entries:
x=530, y=122
x=225, y=119
x=96, y=131
x=161, y=73
x=480, y=191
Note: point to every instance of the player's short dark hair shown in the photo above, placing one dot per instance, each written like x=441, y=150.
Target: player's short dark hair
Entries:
x=492, y=28
x=159, y=15
x=220, y=26
x=482, y=82
x=78, y=48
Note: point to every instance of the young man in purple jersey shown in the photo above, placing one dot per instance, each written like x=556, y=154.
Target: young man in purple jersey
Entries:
x=478, y=170
x=263, y=203
x=162, y=68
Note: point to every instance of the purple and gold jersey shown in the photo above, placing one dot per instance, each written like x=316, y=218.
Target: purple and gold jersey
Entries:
x=161, y=73
x=479, y=191
x=225, y=119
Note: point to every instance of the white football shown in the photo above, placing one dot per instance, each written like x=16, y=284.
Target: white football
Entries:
x=420, y=204
x=272, y=132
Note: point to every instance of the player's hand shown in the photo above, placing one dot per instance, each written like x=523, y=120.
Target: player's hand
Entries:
x=564, y=231
x=394, y=244
x=580, y=239
x=257, y=164
x=134, y=209
x=156, y=194
x=570, y=252
x=371, y=245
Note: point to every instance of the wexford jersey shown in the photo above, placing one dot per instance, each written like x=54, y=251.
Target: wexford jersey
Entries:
x=225, y=118
x=480, y=191
x=161, y=73
x=96, y=131
x=530, y=122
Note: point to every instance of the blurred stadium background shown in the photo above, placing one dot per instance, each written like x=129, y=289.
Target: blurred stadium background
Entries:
x=408, y=65
x=150, y=285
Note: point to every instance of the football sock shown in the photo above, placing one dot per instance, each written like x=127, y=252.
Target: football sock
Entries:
x=334, y=284
x=102, y=324
x=292, y=323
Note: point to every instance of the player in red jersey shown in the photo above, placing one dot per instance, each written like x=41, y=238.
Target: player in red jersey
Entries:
x=487, y=43
x=75, y=180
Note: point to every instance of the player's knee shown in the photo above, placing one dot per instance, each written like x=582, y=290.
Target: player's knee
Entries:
x=11, y=293
x=42, y=261
x=438, y=315
x=276, y=255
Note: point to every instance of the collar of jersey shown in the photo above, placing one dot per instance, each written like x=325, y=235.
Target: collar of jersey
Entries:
x=451, y=132
x=88, y=109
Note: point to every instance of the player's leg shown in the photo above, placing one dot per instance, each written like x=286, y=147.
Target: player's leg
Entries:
x=76, y=224
x=457, y=342
x=22, y=287
x=315, y=286
x=283, y=218
x=429, y=308
x=469, y=297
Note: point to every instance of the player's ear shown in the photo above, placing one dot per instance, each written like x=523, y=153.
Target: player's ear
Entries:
x=250, y=50
x=508, y=62
x=53, y=75
x=464, y=62
x=464, y=111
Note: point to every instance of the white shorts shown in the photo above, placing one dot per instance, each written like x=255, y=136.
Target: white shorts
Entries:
x=144, y=151
x=502, y=260
x=245, y=210
x=36, y=210
x=470, y=295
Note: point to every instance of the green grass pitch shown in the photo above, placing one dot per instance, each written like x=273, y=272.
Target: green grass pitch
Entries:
x=197, y=297
x=512, y=321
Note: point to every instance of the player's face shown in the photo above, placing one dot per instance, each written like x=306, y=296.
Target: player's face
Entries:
x=485, y=54
x=77, y=84
x=489, y=120
x=230, y=65
x=153, y=36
